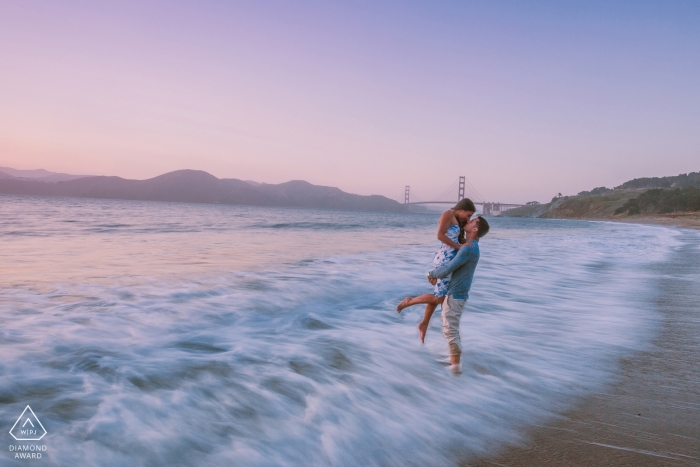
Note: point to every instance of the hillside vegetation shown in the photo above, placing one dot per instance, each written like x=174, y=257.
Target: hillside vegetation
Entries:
x=679, y=181
x=638, y=197
x=663, y=201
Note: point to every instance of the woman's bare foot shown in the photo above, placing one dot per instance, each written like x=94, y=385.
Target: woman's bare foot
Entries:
x=403, y=304
x=422, y=329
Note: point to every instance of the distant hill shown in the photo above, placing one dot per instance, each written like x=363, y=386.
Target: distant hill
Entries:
x=196, y=186
x=40, y=175
x=691, y=179
x=641, y=196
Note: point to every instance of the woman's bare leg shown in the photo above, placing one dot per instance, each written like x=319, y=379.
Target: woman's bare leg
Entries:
x=429, y=310
x=425, y=298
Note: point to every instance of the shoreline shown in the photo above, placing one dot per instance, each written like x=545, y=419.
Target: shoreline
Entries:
x=682, y=220
x=650, y=415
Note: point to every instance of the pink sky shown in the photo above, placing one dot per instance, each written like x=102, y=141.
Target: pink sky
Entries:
x=526, y=101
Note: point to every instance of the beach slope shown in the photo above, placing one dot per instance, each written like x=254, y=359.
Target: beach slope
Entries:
x=651, y=415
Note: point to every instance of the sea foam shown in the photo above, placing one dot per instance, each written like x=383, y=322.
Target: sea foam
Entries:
x=299, y=358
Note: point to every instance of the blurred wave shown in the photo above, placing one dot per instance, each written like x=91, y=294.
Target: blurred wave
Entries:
x=298, y=357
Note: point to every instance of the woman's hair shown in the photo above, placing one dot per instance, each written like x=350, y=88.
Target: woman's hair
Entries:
x=465, y=205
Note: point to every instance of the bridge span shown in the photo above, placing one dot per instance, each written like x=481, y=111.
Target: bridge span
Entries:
x=487, y=208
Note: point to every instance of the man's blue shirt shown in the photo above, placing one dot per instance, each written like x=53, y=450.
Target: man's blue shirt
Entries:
x=462, y=268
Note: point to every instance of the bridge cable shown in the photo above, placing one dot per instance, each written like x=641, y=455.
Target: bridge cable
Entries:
x=415, y=196
x=475, y=190
x=447, y=192
x=471, y=193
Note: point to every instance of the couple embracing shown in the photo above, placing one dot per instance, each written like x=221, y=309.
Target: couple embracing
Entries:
x=454, y=266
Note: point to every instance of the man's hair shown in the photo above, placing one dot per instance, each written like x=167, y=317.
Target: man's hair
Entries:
x=465, y=205
x=483, y=227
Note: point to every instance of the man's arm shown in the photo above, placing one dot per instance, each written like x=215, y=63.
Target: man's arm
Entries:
x=463, y=255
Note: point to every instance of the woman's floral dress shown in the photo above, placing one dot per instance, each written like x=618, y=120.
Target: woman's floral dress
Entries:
x=445, y=255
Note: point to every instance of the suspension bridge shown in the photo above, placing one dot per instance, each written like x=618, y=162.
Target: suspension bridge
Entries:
x=461, y=185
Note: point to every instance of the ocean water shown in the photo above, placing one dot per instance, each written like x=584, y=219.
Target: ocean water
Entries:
x=150, y=334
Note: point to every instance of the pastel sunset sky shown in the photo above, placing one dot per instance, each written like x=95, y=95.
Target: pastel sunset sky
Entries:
x=526, y=99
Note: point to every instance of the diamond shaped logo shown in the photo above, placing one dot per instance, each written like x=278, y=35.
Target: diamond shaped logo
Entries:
x=28, y=427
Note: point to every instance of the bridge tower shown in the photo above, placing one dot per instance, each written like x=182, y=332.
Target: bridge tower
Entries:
x=460, y=193
x=406, y=193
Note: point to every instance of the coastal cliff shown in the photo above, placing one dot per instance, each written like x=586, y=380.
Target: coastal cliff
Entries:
x=647, y=198
x=577, y=207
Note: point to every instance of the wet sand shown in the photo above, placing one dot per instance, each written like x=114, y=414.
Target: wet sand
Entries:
x=650, y=416
x=682, y=220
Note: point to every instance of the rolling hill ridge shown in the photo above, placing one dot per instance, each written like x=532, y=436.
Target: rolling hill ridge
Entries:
x=196, y=186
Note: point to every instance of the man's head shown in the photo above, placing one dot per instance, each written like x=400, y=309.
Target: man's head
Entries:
x=476, y=228
x=464, y=210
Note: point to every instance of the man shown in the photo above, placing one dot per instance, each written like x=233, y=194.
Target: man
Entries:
x=462, y=268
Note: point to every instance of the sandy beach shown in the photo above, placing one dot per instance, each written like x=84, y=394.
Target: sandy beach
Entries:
x=650, y=416
x=682, y=220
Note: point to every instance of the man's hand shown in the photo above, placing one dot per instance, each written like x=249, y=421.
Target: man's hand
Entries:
x=432, y=280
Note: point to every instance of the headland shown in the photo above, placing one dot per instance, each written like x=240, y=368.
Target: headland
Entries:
x=672, y=201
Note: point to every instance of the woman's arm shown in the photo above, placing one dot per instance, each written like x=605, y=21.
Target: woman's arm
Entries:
x=445, y=223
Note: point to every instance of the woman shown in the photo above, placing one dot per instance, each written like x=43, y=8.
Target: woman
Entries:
x=449, y=232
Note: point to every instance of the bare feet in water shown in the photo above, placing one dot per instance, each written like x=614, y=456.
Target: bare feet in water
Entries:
x=422, y=329
x=403, y=304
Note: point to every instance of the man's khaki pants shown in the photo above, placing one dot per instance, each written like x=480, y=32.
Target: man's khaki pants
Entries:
x=451, y=314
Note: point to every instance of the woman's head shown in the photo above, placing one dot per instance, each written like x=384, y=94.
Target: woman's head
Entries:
x=464, y=210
